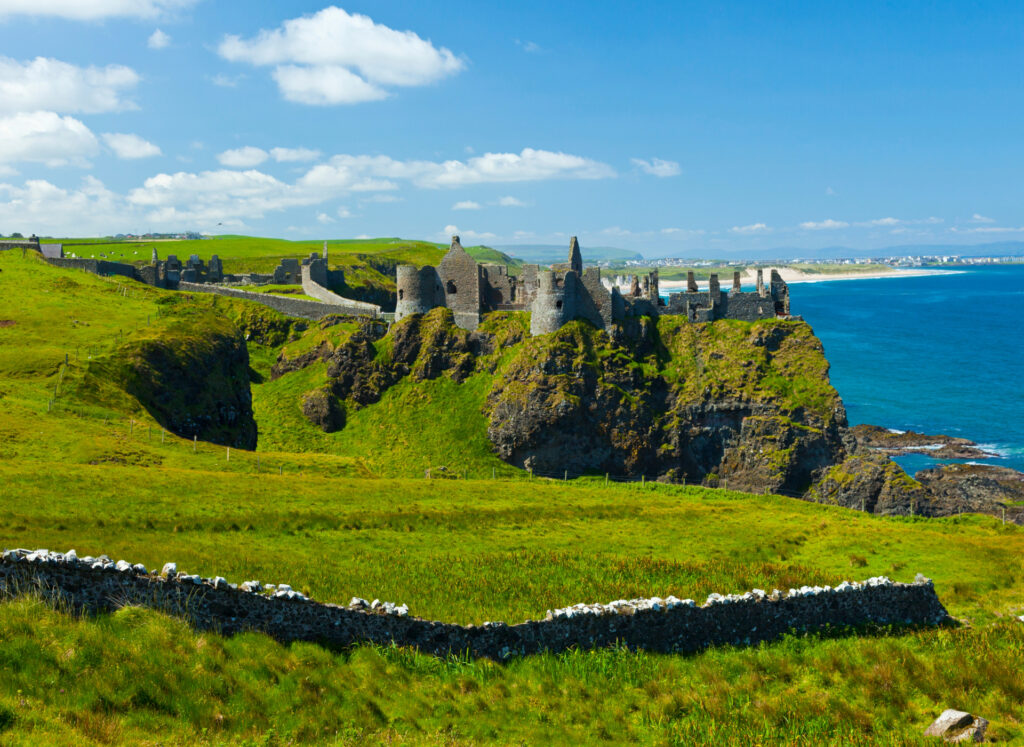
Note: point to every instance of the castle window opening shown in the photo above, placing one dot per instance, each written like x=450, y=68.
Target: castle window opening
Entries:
x=401, y=294
x=558, y=304
x=451, y=287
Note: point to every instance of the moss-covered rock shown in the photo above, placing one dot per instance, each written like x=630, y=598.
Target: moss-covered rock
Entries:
x=189, y=370
x=872, y=482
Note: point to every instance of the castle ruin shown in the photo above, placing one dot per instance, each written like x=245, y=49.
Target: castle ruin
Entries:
x=569, y=291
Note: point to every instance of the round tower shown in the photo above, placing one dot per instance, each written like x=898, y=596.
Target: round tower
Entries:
x=419, y=290
x=554, y=304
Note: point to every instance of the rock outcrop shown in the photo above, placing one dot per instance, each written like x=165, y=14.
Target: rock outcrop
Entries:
x=895, y=442
x=872, y=482
x=190, y=371
x=975, y=488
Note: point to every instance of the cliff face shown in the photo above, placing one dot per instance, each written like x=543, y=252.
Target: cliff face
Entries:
x=190, y=372
x=748, y=403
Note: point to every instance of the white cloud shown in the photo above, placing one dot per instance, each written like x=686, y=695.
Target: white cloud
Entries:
x=324, y=218
x=51, y=85
x=46, y=137
x=529, y=46
x=324, y=86
x=510, y=202
x=885, y=222
x=243, y=158
x=978, y=218
x=830, y=192
x=466, y=205
x=657, y=167
x=91, y=10
x=828, y=223
x=290, y=155
x=751, y=229
x=380, y=172
x=989, y=229
x=158, y=40
x=225, y=81
x=130, y=146
x=464, y=236
x=529, y=165
x=682, y=233
x=334, y=57
x=344, y=212
x=382, y=198
x=43, y=208
x=216, y=196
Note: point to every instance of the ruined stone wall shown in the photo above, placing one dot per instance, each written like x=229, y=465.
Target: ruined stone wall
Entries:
x=313, y=288
x=299, y=307
x=461, y=277
x=19, y=244
x=747, y=306
x=418, y=290
x=94, y=585
x=96, y=266
x=595, y=301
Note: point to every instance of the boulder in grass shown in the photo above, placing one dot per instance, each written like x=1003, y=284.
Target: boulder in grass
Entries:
x=957, y=726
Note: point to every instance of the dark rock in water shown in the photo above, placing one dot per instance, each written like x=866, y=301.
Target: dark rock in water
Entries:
x=872, y=482
x=323, y=410
x=909, y=442
x=957, y=726
x=975, y=488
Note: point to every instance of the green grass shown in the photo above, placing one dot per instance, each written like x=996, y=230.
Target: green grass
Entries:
x=353, y=515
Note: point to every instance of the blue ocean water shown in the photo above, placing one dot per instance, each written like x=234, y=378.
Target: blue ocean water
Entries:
x=934, y=354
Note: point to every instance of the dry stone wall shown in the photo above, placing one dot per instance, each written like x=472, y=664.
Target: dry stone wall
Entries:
x=92, y=585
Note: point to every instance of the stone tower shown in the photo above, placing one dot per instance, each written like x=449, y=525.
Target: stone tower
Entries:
x=555, y=302
x=419, y=290
x=460, y=276
x=575, y=257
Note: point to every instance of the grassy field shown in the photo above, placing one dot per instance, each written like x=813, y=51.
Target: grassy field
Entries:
x=96, y=473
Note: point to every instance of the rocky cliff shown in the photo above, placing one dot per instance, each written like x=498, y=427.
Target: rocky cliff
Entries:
x=749, y=404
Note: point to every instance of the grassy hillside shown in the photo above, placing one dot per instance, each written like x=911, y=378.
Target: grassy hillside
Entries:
x=94, y=472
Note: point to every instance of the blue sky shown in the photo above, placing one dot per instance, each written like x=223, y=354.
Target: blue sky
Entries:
x=671, y=128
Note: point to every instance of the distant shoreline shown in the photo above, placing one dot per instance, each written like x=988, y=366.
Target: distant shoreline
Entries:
x=791, y=275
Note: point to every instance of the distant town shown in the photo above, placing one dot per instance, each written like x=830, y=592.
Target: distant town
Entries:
x=920, y=260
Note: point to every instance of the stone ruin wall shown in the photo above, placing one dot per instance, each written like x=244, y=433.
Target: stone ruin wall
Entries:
x=299, y=307
x=95, y=585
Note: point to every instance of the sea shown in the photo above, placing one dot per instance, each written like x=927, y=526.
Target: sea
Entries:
x=934, y=354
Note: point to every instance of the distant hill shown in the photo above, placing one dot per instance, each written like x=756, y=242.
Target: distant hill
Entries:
x=546, y=254
x=488, y=255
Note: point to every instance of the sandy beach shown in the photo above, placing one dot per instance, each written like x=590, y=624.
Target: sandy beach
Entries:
x=791, y=275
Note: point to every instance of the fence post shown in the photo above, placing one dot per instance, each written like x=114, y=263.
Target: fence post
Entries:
x=194, y=439
x=643, y=481
x=228, y=459
x=565, y=477
x=606, y=479
x=531, y=472
x=280, y=469
x=131, y=427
